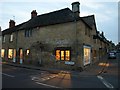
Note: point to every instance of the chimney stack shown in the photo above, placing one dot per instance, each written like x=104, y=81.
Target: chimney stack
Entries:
x=76, y=8
x=102, y=33
x=33, y=14
x=11, y=23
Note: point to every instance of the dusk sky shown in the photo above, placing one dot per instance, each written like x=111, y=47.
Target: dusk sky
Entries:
x=105, y=11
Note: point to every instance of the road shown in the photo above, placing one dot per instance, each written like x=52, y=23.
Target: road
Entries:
x=16, y=77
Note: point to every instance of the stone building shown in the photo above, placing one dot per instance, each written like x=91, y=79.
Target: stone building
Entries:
x=0, y=42
x=60, y=39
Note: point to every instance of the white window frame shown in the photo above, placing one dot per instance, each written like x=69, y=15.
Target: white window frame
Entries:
x=11, y=37
x=84, y=61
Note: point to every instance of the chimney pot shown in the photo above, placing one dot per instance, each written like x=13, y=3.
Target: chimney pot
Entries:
x=11, y=23
x=33, y=14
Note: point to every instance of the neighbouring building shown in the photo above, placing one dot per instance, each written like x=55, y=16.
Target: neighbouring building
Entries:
x=60, y=39
x=0, y=43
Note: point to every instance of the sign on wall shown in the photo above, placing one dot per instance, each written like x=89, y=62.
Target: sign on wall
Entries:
x=69, y=63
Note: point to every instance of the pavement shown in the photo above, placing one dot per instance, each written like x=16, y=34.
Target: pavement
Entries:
x=94, y=69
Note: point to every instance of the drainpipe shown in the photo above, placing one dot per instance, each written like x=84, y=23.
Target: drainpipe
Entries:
x=76, y=40
x=16, y=58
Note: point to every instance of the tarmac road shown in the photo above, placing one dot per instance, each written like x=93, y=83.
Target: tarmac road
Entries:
x=16, y=77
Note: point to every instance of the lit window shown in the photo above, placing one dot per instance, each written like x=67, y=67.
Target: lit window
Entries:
x=57, y=54
x=67, y=54
x=11, y=37
x=2, y=53
x=21, y=53
x=62, y=55
x=14, y=53
x=10, y=53
x=28, y=51
x=87, y=55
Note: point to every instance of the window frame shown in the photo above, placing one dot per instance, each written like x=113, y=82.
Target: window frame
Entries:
x=63, y=49
x=27, y=53
x=9, y=53
x=11, y=37
x=28, y=33
x=2, y=53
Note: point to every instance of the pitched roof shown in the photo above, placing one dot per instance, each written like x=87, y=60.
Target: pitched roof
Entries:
x=12, y=29
x=90, y=20
x=56, y=17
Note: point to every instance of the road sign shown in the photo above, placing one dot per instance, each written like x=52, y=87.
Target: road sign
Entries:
x=69, y=62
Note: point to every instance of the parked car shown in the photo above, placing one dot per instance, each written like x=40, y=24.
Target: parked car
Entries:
x=112, y=55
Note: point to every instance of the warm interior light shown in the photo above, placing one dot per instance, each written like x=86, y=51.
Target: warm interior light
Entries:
x=104, y=64
x=14, y=53
x=10, y=53
x=67, y=54
x=57, y=54
x=86, y=54
x=21, y=53
x=28, y=51
x=2, y=52
x=62, y=55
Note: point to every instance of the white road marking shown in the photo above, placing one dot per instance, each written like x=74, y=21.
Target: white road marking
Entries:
x=34, y=78
x=7, y=75
x=47, y=85
x=107, y=84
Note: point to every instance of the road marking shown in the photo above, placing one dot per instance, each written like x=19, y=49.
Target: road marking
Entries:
x=47, y=85
x=7, y=75
x=45, y=78
x=107, y=84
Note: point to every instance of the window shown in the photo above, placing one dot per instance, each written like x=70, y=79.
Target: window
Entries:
x=27, y=52
x=28, y=33
x=14, y=53
x=2, y=53
x=10, y=53
x=21, y=53
x=62, y=54
x=87, y=55
x=67, y=54
x=3, y=39
x=11, y=37
x=57, y=54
